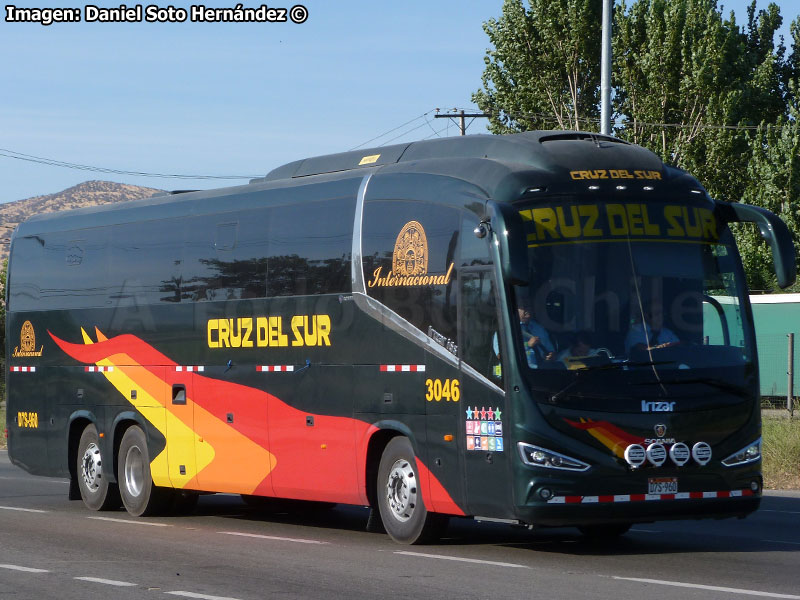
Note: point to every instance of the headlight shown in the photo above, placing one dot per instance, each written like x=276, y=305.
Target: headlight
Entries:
x=541, y=457
x=746, y=455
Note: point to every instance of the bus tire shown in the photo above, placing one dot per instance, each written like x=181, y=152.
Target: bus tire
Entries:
x=400, y=502
x=140, y=495
x=97, y=492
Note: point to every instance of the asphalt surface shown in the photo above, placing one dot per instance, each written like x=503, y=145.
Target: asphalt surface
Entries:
x=53, y=548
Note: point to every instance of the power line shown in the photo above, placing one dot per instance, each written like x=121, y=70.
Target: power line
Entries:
x=377, y=137
x=69, y=165
x=627, y=123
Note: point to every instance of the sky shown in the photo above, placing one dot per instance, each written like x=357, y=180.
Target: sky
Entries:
x=236, y=99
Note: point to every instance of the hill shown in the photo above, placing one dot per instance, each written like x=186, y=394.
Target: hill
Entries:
x=89, y=193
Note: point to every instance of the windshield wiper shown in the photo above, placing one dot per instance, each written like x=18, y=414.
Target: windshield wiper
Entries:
x=606, y=367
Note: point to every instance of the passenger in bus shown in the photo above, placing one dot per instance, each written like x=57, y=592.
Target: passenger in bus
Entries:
x=581, y=345
x=538, y=345
x=652, y=333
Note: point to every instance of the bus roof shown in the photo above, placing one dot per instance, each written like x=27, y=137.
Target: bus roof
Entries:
x=501, y=165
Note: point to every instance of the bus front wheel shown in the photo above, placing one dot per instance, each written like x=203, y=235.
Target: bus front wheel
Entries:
x=140, y=495
x=400, y=501
x=97, y=492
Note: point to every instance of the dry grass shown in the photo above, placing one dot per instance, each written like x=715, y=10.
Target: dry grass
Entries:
x=2, y=426
x=781, y=452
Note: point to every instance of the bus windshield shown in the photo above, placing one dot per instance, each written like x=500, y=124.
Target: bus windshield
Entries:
x=631, y=286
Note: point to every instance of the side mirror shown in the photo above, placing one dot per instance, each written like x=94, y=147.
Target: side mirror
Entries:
x=509, y=236
x=776, y=234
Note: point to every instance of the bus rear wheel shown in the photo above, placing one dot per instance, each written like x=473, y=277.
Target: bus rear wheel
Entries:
x=140, y=495
x=97, y=492
x=400, y=501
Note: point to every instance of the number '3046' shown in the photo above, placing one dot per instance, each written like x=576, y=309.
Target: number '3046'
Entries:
x=438, y=390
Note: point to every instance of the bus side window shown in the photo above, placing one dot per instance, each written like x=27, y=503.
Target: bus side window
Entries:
x=479, y=325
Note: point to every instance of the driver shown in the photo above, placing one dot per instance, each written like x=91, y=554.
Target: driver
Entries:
x=652, y=333
x=538, y=346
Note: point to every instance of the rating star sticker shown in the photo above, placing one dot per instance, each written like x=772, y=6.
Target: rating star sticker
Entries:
x=490, y=414
x=497, y=414
x=469, y=412
x=483, y=413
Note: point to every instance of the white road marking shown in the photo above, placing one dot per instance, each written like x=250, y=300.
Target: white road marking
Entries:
x=273, y=537
x=647, y=530
x=30, y=510
x=130, y=521
x=712, y=588
x=106, y=581
x=460, y=559
x=23, y=569
x=200, y=596
x=782, y=542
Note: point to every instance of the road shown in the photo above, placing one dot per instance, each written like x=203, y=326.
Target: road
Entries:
x=53, y=548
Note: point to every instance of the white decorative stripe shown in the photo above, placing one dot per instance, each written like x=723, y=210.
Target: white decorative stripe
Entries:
x=609, y=499
x=23, y=369
x=275, y=368
x=189, y=369
x=403, y=368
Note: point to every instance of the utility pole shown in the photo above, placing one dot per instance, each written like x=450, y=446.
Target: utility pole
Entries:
x=462, y=116
x=605, y=70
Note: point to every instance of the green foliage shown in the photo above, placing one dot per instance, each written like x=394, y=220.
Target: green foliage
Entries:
x=544, y=69
x=781, y=453
x=774, y=170
x=681, y=68
x=706, y=95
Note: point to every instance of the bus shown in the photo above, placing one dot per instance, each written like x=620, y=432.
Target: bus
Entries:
x=543, y=329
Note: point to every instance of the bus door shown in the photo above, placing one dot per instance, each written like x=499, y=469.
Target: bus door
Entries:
x=232, y=447
x=181, y=434
x=443, y=405
x=483, y=432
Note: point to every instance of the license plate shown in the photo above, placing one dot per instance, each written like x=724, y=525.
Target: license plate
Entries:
x=662, y=485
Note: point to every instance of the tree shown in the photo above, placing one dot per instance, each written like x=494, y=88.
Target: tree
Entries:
x=774, y=173
x=686, y=78
x=544, y=68
x=706, y=95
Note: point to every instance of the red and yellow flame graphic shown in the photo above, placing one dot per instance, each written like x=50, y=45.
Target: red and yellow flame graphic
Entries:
x=233, y=438
x=611, y=436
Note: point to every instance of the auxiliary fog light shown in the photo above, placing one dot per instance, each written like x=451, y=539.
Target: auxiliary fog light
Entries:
x=656, y=454
x=536, y=456
x=701, y=453
x=546, y=493
x=635, y=455
x=748, y=454
x=754, y=485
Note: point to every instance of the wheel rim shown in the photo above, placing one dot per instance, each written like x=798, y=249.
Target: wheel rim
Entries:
x=92, y=467
x=134, y=471
x=401, y=490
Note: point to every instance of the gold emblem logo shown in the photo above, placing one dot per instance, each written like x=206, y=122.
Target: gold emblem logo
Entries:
x=411, y=251
x=27, y=337
x=27, y=342
x=410, y=262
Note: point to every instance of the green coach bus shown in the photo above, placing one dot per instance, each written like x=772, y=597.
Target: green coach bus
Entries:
x=545, y=329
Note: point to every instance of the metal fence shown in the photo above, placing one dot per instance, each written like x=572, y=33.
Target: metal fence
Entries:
x=778, y=363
